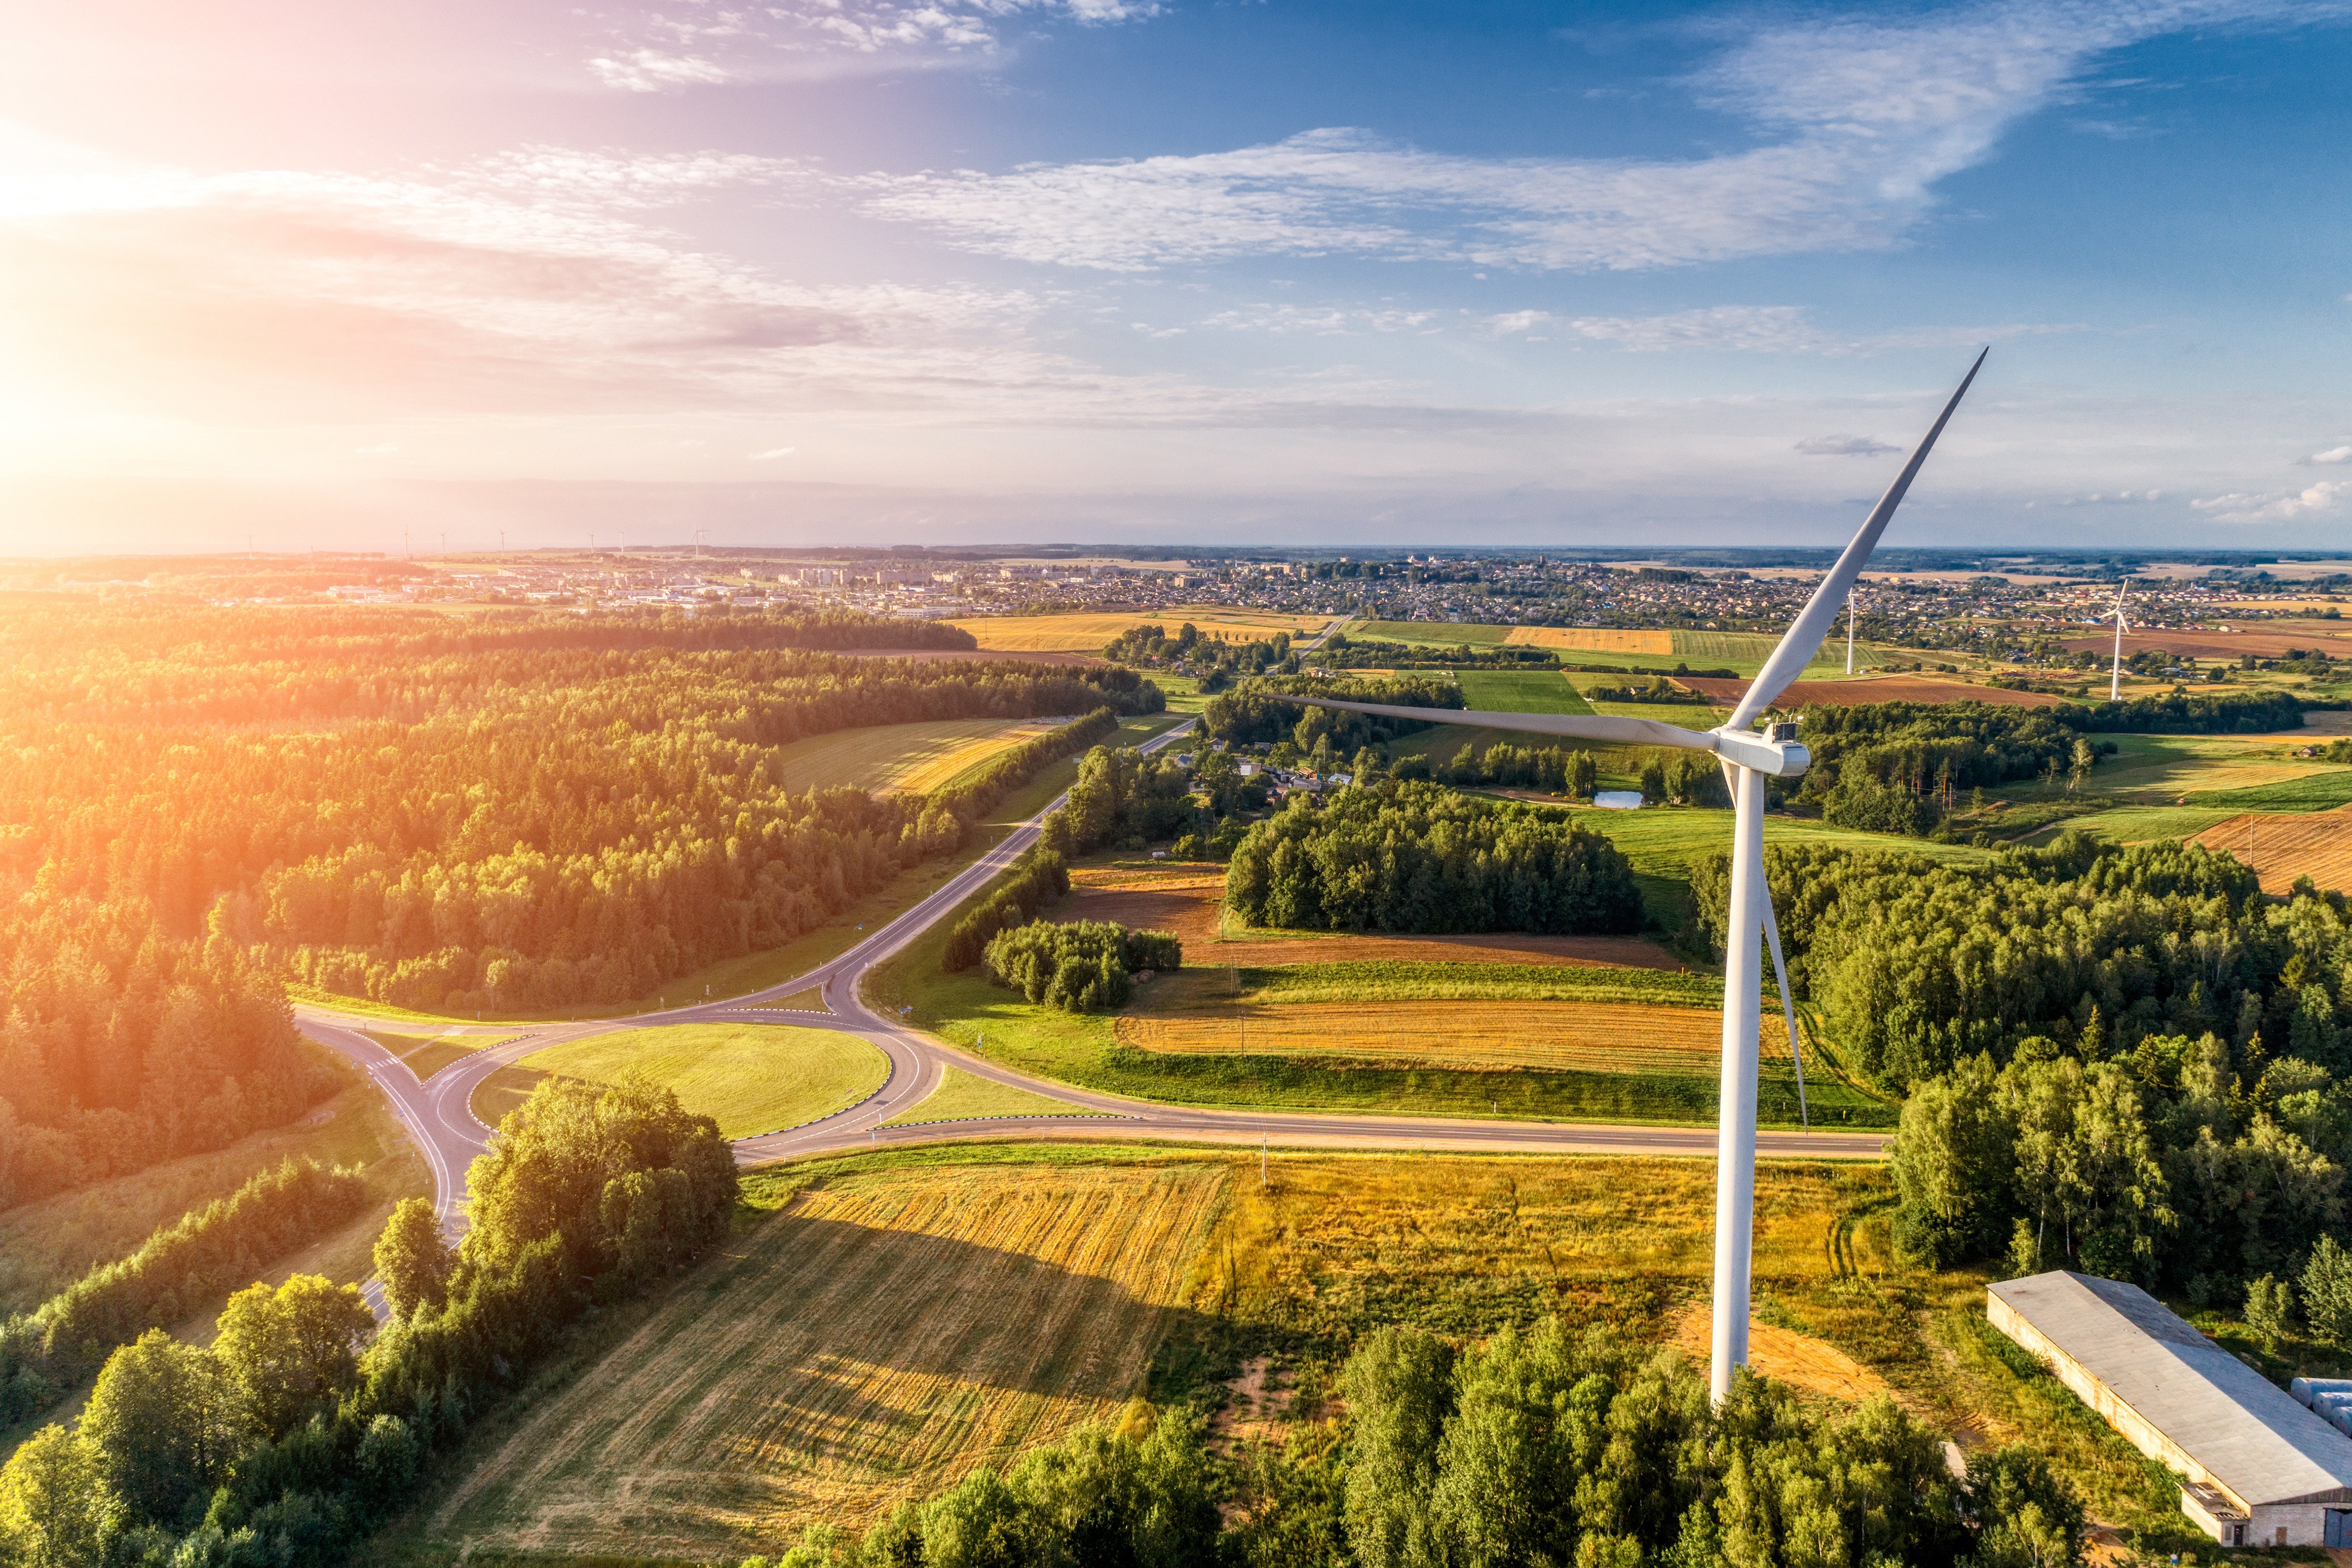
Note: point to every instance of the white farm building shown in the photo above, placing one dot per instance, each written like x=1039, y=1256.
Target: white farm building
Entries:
x=2261, y=1470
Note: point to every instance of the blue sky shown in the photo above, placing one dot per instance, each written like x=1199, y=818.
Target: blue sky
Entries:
x=873, y=271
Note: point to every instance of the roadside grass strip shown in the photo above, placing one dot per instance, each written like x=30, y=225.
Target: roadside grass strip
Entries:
x=887, y=1333
x=807, y=999
x=968, y=1097
x=750, y=1078
x=1583, y=1036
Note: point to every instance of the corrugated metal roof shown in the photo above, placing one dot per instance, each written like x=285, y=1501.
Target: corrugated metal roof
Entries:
x=2249, y=1433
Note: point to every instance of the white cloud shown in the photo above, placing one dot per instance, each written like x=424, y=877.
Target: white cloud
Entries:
x=607, y=182
x=771, y=454
x=2333, y=454
x=1321, y=320
x=1866, y=117
x=2241, y=507
x=1744, y=328
x=667, y=50
x=1844, y=447
x=650, y=70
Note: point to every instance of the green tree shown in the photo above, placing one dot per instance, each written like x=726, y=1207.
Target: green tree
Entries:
x=2029, y=1519
x=292, y=1350
x=1399, y=1387
x=2270, y=1311
x=164, y=1423
x=54, y=1509
x=2327, y=1293
x=1953, y=1161
x=412, y=1259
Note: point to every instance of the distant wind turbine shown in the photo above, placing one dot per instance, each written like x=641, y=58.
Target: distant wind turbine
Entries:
x=2116, y=671
x=1747, y=758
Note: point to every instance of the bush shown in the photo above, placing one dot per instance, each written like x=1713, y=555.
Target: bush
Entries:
x=1080, y=967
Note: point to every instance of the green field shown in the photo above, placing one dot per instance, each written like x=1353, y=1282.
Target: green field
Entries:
x=1428, y=634
x=750, y=1078
x=1519, y=691
x=968, y=1097
x=2316, y=792
x=874, y=758
x=2198, y=770
x=2142, y=824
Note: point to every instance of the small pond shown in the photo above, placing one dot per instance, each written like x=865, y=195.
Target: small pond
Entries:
x=1619, y=800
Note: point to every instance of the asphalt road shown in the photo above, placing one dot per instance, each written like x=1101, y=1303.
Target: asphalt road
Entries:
x=438, y=1113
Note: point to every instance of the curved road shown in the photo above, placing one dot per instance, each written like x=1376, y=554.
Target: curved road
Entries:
x=438, y=1111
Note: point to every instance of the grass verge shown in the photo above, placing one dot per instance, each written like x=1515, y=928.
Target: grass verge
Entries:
x=968, y=1097
x=749, y=1078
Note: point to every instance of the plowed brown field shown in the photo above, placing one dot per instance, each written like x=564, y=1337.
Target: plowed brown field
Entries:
x=1886, y=689
x=2263, y=639
x=886, y=1333
x=1586, y=1037
x=2280, y=847
x=1596, y=639
x=1189, y=901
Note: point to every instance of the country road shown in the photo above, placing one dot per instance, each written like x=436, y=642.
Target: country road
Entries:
x=438, y=1113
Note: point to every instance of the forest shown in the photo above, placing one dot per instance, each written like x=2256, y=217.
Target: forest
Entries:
x=491, y=813
x=2119, y=1058
x=1405, y=856
x=1218, y=664
x=1541, y=1447
x=283, y=1442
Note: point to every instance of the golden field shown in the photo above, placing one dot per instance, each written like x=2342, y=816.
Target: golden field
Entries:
x=1594, y=639
x=922, y=777
x=1572, y=1036
x=2281, y=847
x=886, y=1331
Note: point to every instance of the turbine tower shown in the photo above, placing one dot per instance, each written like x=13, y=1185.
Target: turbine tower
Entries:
x=2115, y=670
x=1748, y=757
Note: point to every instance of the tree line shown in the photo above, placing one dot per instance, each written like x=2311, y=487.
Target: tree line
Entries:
x=47, y=1351
x=284, y=1442
x=1405, y=856
x=1541, y=1447
x=1217, y=662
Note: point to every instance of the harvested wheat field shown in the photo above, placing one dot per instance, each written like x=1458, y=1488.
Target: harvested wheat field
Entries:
x=1189, y=900
x=1088, y=634
x=1800, y=1359
x=1583, y=1036
x=1592, y=639
x=1884, y=689
x=929, y=774
x=886, y=1333
x=2280, y=847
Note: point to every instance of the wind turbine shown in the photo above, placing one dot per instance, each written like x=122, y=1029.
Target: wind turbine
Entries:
x=1747, y=758
x=2116, y=671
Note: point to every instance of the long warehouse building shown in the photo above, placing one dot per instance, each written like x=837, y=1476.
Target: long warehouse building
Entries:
x=2259, y=1468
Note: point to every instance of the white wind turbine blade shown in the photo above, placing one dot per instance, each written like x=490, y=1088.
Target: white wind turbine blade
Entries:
x=1803, y=639
x=1572, y=726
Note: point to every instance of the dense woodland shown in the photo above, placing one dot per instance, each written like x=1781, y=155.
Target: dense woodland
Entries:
x=1402, y=856
x=1217, y=662
x=2123, y=1058
x=1079, y=966
x=1534, y=1448
x=284, y=1442
x=492, y=812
